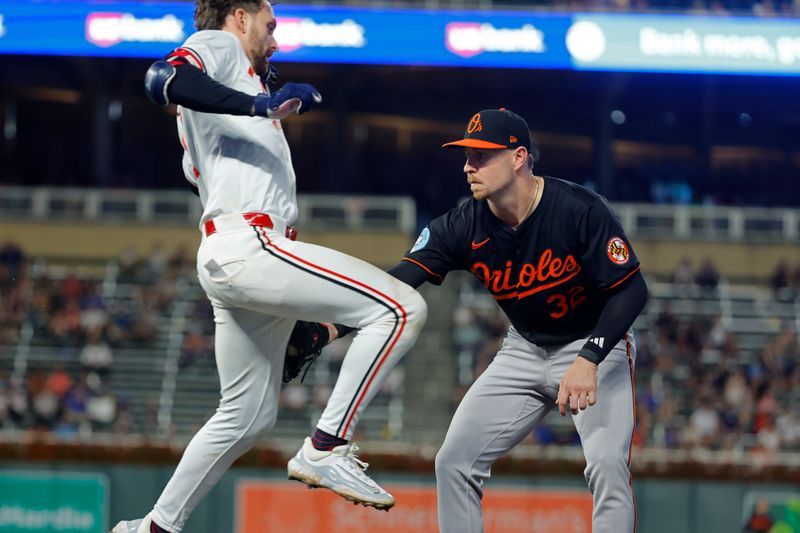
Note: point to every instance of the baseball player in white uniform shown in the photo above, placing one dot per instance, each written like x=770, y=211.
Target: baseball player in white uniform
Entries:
x=260, y=280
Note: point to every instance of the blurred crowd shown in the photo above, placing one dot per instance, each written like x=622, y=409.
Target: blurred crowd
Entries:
x=54, y=400
x=785, y=281
x=78, y=322
x=695, y=386
x=70, y=324
x=705, y=278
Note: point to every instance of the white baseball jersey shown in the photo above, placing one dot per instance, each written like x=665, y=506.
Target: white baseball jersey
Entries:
x=239, y=164
x=260, y=281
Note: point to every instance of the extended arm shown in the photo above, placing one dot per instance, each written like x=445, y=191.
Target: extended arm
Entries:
x=173, y=80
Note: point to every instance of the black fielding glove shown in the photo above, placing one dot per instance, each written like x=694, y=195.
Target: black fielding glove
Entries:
x=305, y=345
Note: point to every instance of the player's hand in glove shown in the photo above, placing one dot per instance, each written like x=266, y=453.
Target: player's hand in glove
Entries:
x=291, y=97
x=305, y=345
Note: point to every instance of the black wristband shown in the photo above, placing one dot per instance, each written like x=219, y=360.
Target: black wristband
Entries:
x=588, y=352
x=343, y=330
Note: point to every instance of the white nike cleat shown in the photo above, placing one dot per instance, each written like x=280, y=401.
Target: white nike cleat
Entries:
x=141, y=525
x=340, y=471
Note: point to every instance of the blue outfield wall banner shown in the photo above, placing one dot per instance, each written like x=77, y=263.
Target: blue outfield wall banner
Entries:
x=499, y=39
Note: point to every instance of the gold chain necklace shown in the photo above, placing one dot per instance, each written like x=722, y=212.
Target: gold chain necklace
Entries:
x=530, y=207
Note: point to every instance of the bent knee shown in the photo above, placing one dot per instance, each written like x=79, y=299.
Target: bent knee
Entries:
x=449, y=462
x=606, y=464
x=255, y=432
x=415, y=306
x=443, y=463
x=263, y=423
x=248, y=426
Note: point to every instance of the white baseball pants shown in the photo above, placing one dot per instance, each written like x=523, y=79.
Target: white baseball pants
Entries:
x=259, y=283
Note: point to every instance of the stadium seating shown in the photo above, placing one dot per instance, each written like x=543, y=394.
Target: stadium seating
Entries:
x=716, y=364
x=162, y=377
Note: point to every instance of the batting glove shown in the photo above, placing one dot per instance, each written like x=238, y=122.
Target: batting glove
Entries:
x=291, y=97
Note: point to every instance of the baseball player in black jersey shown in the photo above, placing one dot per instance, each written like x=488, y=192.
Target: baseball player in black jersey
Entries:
x=555, y=258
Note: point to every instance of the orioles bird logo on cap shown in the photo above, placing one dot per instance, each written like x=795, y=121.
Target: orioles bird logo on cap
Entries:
x=475, y=124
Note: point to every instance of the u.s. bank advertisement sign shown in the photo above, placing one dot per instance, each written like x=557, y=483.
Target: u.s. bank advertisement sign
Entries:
x=401, y=36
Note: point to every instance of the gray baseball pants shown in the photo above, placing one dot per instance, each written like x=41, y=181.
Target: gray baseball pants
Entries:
x=504, y=404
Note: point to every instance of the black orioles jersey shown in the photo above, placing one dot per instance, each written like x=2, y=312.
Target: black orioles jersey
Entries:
x=552, y=275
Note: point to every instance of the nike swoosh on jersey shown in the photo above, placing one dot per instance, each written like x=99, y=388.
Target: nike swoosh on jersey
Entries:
x=475, y=245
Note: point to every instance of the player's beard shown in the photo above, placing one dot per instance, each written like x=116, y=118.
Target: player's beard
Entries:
x=261, y=61
x=261, y=67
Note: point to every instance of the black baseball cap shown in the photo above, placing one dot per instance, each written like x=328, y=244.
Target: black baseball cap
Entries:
x=495, y=129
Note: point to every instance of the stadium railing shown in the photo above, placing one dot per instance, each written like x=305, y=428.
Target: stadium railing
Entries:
x=395, y=213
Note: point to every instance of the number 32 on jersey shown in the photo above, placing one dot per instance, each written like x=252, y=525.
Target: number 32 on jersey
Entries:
x=564, y=303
